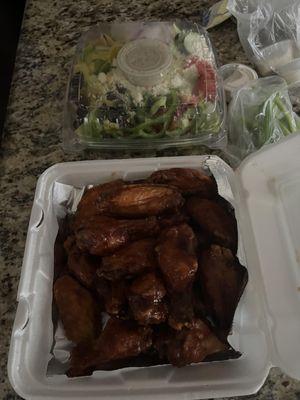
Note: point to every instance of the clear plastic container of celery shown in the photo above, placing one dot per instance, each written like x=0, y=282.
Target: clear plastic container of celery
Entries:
x=136, y=85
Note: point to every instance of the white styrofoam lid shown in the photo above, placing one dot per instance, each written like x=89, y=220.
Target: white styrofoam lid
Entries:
x=270, y=224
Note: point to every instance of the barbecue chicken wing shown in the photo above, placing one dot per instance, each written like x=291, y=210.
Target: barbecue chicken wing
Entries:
x=119, y=340
x=103, y=235
x=213, y=218
x=193, y=345
x=177, y=259
x=223, y=280
x=167, y=221
x=82, y=266
x=60, y=253
x=130, y=260
x=140, y=200
x=187, y=181
x=146, y=295
x=88, y=205
x=77, y=309
x=160, y=338
x=113, y=295
x=181, y=310
x=60, y=259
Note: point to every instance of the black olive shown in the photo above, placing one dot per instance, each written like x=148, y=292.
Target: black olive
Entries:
x=120, y=88
x=112, y=96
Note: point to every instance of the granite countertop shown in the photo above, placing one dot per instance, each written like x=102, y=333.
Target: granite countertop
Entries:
x=33, y=127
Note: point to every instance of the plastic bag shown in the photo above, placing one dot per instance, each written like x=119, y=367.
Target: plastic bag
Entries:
x=260, y=113
x=268, y=30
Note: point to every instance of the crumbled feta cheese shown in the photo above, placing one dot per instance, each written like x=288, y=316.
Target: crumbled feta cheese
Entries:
x=102, y=77
x=177, y=78
x=195, y=44
x=138, y=97
x=186, y=92
x=160, y=90
x=115, y=77
x=177, y=81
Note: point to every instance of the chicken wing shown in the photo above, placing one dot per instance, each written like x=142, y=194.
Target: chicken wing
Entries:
x=147, y=313
x=119, y=340
x=87, y=206
x=113, y=295
x=187, y=181
x=77, y=309
x=82, y=266
x=213, y=218
x=60, y=259
x=160, y=338
x=193, y=345
x=103, y=235
x=130, y=260
x=146, y=295
x=60, y=253
x=69, y=243
x=177, y=259
x=167, y=221
x=140, y=200
x=185, y=308
x=181, y=310
x=148, y=286
x=223, y=280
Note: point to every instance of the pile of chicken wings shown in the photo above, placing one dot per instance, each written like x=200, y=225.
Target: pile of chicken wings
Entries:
x=157, y=257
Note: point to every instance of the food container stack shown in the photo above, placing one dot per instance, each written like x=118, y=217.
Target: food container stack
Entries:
x=139, y=85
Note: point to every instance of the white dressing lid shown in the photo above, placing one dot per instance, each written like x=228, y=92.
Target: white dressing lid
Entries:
x=269, y=214
x=144, y=62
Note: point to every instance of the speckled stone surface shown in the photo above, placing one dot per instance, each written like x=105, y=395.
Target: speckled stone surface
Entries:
x=33, y=127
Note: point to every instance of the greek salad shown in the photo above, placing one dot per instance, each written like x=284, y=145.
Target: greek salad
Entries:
x=146, y=80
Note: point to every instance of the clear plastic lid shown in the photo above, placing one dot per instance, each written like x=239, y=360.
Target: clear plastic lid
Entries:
x=144, y=84
x=144, y=62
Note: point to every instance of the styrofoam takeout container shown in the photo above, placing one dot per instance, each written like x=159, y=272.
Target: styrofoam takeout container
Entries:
x=265, y=191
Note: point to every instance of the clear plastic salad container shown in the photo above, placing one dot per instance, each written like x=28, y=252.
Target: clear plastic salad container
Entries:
x=136, y=85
